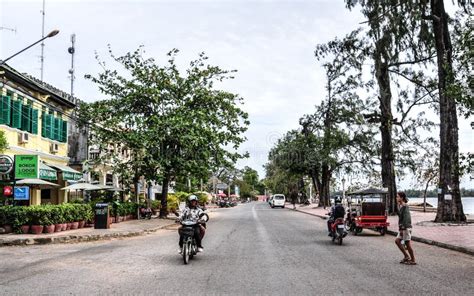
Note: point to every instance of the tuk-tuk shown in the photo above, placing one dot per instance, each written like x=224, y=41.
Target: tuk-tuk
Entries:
x=367, y=209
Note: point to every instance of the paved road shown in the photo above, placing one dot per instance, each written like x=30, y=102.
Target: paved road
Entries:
x=250, y=249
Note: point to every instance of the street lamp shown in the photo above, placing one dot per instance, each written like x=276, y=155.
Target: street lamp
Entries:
x=51, y=34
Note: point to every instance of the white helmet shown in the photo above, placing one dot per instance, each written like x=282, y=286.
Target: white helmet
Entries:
x=192, y=197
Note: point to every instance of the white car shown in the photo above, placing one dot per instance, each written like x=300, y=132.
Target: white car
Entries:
x=278, y=200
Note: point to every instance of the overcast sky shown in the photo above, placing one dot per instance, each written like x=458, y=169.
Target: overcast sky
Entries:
x=270, y=43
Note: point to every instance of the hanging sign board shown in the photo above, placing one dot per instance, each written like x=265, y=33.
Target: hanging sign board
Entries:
x=6, y=164
x=26, y=166
x=22, y=193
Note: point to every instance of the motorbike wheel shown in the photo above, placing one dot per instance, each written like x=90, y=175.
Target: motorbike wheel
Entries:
x=185, y=253
x=340, y=241
x=192, y=250
x=358, y=230
x=383, y=230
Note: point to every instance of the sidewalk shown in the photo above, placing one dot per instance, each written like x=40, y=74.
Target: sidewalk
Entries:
x=454, y=237
x=117, y=230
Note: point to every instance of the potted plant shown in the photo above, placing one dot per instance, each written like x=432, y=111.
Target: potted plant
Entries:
x=37, y=219
x=56, y=218
x=48, y=221
x=20, y=219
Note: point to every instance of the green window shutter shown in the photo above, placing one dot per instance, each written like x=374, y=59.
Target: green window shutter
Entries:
x=56, y=129
x=26, y=118
x=5, y=110
x=51, y=126
x=60, y=129
x=34, y=121
x=16, y=114
x=64, y=132
x=43, y=124
x=47, y=124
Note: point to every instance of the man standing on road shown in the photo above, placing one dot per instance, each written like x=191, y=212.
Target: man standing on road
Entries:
x=404, y=227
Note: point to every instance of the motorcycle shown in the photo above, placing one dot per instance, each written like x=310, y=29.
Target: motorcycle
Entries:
x=189, y=249
x=145, y=213
x=338, y=231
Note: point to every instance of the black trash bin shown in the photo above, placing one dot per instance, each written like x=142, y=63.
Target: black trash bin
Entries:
x=101, y=218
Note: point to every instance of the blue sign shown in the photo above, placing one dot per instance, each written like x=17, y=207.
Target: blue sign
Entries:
x=21, y=193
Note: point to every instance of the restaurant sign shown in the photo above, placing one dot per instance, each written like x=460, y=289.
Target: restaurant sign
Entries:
x=6, y=164
x=26, y=166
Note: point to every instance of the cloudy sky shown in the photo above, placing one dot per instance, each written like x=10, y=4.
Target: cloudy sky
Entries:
x=270, y=43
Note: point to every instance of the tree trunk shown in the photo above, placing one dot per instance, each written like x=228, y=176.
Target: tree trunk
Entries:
x=385, y=98
x=136, y=179
x=449, y=209
x=164, y=196
x=325, y=184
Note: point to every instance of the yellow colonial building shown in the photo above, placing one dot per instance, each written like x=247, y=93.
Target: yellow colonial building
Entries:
x=34, y=117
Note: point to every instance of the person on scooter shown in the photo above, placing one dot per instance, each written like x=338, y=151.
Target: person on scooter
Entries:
x=337, y=211
x=192, y=212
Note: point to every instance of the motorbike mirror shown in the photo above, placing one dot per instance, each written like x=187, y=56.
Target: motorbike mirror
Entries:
x=204, y=217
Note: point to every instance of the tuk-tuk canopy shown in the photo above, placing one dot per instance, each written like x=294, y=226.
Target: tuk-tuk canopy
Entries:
x=369, y=191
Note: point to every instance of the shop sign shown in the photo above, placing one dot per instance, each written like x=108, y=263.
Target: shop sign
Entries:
x=71, y=176
x=22, y=193
x=48, y=174
x=26, y=166
x=6, y=164
x=7, y=191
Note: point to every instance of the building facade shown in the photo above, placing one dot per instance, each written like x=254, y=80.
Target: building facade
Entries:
x=34, y=117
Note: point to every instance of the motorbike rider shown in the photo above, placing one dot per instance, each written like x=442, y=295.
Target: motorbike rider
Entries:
x=192, y=212
x=337, y=211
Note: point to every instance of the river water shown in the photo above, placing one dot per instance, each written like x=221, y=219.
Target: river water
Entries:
x=467, y=203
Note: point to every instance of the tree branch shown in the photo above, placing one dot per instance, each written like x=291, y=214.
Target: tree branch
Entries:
x=412, y=62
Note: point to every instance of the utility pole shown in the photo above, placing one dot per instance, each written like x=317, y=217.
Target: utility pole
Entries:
x=42, y=43
x=72, y=50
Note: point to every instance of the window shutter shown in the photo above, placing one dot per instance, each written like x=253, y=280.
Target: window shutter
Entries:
x=5, y=106
x=26, y=118
x=51, y=126
x=34, y=121
x=16, y=114
x=60, y=129
x=43, y=125
x=64, y=132
x=56, y=129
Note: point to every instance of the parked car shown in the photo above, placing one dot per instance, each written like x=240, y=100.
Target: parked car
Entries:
x=278, y=200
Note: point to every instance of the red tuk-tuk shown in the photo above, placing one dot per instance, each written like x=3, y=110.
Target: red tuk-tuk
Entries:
x=367, y=209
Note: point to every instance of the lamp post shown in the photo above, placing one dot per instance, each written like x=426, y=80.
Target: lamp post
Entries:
x=51, y=34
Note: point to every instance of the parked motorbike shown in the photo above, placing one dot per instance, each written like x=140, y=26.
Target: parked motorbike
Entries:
x=145, y=213
x=189, y=249
x=338, y=231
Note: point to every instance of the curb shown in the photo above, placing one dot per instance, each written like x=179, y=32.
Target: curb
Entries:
x=414, y=238
x=78, y=238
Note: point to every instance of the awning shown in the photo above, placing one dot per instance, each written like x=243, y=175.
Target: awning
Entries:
x=37, y=182
x=68, y=173
x=47, y=173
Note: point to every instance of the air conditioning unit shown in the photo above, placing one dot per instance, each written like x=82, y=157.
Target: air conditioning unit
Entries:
x=54, y=147
x=23, y=138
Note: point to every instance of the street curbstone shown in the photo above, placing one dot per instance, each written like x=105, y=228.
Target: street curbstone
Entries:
x=74, y=238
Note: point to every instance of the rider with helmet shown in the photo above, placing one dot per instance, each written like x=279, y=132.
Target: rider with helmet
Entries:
x=192, y=212
x=337, y=211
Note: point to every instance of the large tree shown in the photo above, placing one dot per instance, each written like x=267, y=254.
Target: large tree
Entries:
x=176, y=124
x=449, y=209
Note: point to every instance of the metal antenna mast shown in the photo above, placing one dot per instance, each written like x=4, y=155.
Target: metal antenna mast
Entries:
x=42, y=43
x=72, y=50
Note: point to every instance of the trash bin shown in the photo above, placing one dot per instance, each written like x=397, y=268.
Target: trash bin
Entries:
x=101, y=218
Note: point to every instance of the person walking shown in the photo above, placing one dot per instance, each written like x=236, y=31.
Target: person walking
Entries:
x=404, y=230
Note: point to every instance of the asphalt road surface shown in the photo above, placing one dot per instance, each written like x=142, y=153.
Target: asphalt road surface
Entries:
x=251, y=249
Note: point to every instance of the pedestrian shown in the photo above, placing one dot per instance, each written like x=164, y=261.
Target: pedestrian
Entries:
x=404, y=230
x=293, y=197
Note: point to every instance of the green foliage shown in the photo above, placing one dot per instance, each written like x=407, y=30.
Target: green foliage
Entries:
x=171, y=122
x=3, y=141
x=44, y=214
